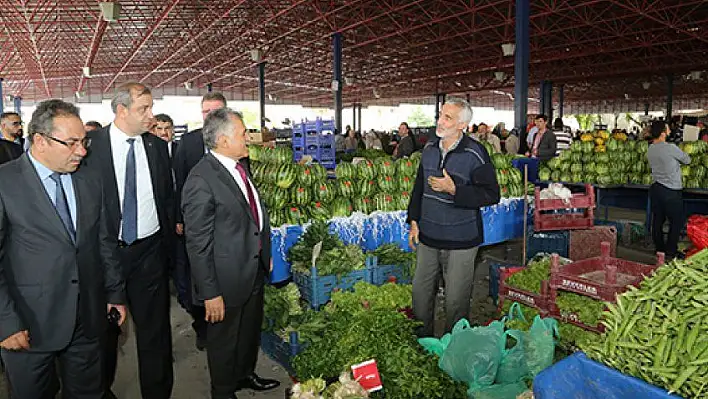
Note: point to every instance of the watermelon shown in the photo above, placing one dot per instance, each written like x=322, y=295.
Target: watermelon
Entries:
x=499, y=161
x=565, y=167
x=282, y=155
x=319, y=173
x=385, y=202
x=416, y=156
x=346, y=188
x=504, y=190
x=341, y=207
x=554, y=163
x=305, y=175
x=565, y=155
x=576, y=157
x=604, y=180
x=387, y=184
x=319, y=212
x=405, y=183
x=544, y=174
x=612, y=145
x=576, y=168
x=602, y=169
x=555, y=175
x=704, y=160
x=404, y=198
x=366, y=170
x=576, y=146
x=697, y=172
x=515, y=175
x=324, y=192
x=278, y=198
x=295, y=215
x=588, y=147
x=685, y=170
x=630, y=146
x=364, y=205
x=693, y=183
x=637, y=168
x=502, y=178
x=277, y=217
x=642, y=146
x=406, y=167
x=565, y=177
x=285, y=176
x=254, y=153
x=385, y=167
x=590, y=178
x=345, y=171
x=366, y=188
x=300, y=195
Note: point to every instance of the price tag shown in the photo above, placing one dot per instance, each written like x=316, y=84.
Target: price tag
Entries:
x=367, y=375
x=316, y=253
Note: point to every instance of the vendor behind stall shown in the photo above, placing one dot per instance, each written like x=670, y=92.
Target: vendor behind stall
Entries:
x=665, y=193
x=544, y=143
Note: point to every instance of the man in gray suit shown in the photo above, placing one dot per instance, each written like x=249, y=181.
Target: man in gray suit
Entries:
x=228, y=242
x=59, y=265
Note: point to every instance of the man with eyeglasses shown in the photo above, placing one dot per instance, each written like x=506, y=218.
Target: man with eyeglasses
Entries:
x=60, y=273
x=135, y=170
x=11, y=141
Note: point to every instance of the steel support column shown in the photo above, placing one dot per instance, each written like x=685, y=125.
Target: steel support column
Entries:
x=437, y=107
x=646, y=109
x=2, y=98
x=18, y=105
x=337, y=78
x=354, y=116
x=210, y=87
x=560, y=101
x=548, y=111
x=261, y=92
x=542, y=97
x=361, y=125
x=521, y=65
x=669, y=97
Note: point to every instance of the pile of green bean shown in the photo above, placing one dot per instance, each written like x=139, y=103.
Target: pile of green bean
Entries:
x=659, y=331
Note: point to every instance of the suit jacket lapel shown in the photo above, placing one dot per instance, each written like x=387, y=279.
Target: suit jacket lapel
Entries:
x=80, y=193
x=105, y=153
x=45, y=205
x=226, y=177
x=152, y=155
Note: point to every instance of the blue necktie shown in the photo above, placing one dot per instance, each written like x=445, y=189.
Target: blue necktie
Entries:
x=130, y=198
x=62, y=206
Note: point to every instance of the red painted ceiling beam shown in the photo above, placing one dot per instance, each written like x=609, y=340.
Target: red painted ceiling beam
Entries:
x=144, y=40
x=93, y=50
x=668, y=24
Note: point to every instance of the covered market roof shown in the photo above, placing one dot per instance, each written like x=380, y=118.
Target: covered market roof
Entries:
x=393, y=50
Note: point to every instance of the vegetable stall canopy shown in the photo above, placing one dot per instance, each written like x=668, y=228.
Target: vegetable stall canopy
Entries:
x=393, y=50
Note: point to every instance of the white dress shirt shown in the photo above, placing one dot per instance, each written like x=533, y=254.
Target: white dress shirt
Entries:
x=148, y=222
x=230, y=165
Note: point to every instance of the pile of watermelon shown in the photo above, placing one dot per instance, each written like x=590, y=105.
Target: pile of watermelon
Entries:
x=381, y=184
x=511, y=182
x=296, y=194
x=599, y=159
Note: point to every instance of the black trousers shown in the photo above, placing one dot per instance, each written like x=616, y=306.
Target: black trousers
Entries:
x=232, y=344
x=666, y=204
x=32, y=375
x=146, y=283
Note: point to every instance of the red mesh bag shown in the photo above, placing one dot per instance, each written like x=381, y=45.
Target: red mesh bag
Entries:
x=697, y=230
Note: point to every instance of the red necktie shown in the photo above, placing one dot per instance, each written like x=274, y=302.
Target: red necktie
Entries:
x=251, y=197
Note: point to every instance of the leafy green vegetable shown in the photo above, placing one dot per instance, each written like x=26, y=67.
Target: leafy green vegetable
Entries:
x=532, y=276
x=367, y=296
x=572, y=336
x=279, y=306
x=301, y=252
x=336, y=261
x=392, y=254
x=517, y=323
x=587, y=309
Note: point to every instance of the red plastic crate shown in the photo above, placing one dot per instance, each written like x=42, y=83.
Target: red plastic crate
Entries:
x=601, y=277
x=538, y=301
x=578, y=200
x=586, y=243
x=563, y=221
x=572, y=318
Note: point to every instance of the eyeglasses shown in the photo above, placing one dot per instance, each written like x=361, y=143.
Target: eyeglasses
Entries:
x=85, y=142
x=17, y=123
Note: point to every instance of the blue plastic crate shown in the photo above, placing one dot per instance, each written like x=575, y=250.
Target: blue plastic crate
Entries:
x=381, y=274
x=298, y=142
x=548, y=242
x=280, y=351
x=495, y=274
x=317, y=290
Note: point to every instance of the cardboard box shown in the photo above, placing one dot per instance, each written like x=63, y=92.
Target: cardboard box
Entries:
x=260, y=137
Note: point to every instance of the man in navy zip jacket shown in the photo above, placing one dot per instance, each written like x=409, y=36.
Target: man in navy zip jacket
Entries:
x=455, y=179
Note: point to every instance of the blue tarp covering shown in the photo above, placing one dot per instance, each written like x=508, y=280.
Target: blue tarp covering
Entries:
x=578, y=377
x=502, y=222
x=533, y=163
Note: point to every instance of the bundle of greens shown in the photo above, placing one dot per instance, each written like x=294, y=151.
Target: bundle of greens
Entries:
x=587, y=309
x=392, y=254
x=531, y=278
x=572, y=336
x=368, y=296
x=387, y=336
x=280, y=306
x=301, y=252
x=659, y=331
x=514, y=322
x=341, y=260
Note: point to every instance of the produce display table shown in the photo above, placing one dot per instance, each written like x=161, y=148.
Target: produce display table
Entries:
x=502, y=222
x=579, y=377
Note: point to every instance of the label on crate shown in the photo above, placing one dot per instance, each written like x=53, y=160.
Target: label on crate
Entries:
x=579, y=286
x=367, y=375
x=521, y=297
x=570, y=316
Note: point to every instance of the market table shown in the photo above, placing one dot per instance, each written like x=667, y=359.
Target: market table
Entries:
x=501, y=222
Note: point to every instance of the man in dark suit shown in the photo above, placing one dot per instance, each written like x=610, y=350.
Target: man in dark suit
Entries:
x=228, y=242
x=135, y=169
x=11, y=128
x=9, y=151
x=190, y=151
x=59, y=265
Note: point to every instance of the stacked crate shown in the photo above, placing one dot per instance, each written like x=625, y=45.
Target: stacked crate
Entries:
x=316, y=139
